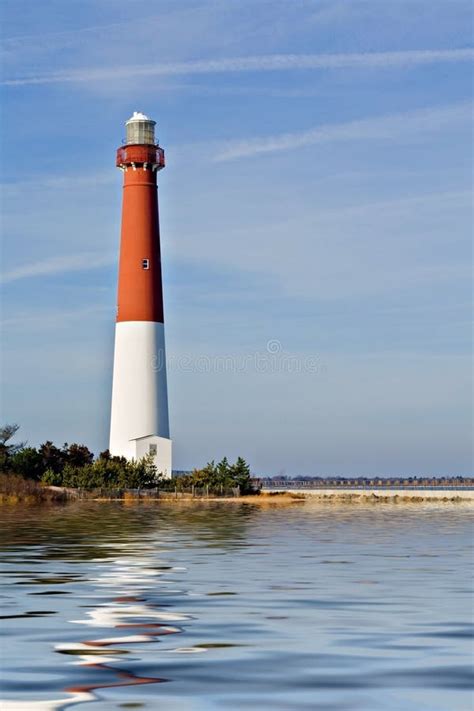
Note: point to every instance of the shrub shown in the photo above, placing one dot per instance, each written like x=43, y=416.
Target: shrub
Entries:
x=105, y=473
x=51, y=478
x=27, y=463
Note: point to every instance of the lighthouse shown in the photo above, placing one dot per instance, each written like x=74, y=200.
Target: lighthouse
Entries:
x=139, y=423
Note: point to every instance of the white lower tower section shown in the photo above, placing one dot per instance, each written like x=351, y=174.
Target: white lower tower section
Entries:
x=139, y=420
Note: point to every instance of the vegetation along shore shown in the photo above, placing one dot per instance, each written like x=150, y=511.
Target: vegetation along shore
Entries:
x=51, y=474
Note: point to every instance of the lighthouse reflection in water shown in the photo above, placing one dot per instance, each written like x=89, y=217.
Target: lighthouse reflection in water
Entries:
x=230, y=606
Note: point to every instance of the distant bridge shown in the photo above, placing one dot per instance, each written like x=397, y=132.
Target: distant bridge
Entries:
x=338, y=488
x=290, y=484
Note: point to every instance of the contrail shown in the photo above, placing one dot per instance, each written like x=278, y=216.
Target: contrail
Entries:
x=381, y=127
x=264, y=63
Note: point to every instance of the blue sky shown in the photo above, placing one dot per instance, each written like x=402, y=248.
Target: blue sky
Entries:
x=316, y=215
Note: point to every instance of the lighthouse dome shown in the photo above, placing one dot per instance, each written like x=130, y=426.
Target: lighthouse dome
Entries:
x=138, y=116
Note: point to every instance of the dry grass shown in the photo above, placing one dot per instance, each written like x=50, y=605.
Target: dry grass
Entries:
x=14, y=490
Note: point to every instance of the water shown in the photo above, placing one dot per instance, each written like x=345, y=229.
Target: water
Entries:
x=234, y=606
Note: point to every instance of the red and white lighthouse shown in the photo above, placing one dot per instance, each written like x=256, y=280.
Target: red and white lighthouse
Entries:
x=139, y=418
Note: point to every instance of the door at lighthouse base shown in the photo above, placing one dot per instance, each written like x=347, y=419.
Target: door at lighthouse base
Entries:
x=159, y=448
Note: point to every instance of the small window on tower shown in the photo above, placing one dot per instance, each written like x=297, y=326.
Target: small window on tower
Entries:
x=145, y=263
x=153, y=449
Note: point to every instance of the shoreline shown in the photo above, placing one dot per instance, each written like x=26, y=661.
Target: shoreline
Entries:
x=265, y=498
x=380, y=494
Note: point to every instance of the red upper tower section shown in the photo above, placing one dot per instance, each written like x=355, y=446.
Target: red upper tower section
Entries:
x=140, y=291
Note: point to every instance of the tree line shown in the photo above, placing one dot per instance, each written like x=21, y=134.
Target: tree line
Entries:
x=75, y=466
x=219, y=478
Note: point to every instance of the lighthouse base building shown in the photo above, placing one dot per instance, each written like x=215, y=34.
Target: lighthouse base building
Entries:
x=139, y=417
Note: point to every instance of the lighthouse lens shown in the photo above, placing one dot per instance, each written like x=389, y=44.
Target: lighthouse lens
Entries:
x=141, y=132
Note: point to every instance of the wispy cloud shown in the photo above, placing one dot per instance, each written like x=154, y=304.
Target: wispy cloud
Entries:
x=59, y=40
x=381, y=127
x=52, y=317
x=56, y=265
x=66, y=182
x=264, y=63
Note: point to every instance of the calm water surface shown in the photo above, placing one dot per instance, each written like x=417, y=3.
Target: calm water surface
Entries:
x=232, y=606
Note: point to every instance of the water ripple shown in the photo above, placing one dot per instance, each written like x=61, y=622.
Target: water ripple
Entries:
x=235, y=607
